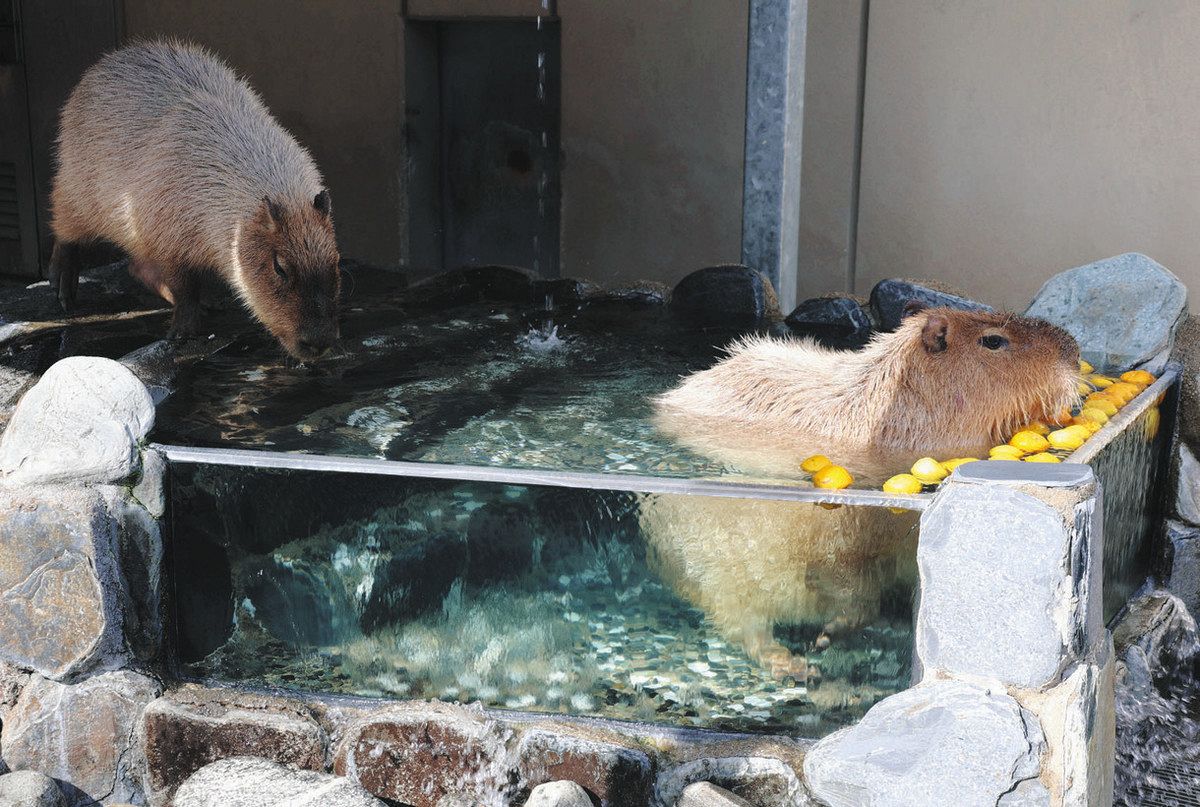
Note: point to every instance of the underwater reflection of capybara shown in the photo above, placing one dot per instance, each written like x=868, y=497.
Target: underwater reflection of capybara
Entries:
x=166, y=153
x=945, y=383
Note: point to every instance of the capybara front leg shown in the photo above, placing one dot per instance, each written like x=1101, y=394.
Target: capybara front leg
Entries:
x=185, y=291
x=759, y=643
x=64, y=267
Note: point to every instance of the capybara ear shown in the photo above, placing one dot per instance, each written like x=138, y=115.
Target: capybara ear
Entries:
x=933, y=335
x=912, y=307
x=322, y=203
x=274, y=210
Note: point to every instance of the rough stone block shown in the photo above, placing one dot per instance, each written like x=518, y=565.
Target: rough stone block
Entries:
x=251, y=782
x=1123, y=310
x=150, y=490
x=706, y=794
x=1182, y=574
x=1018, y=598
x=29, y=789
x=418, y=753
x=761, y=771
x=82, y=734
x=60, y=573
x=614, y=771
x=81, y=422
x=890, y=298
x=559, y=794
x=1078, y=719
x=191, y=727
x=731, y=294
x=837, y=321
x=1187, y=486
x=940, y=744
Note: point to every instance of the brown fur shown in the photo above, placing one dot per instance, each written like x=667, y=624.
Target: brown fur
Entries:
x=929, y=388
x=166, y=153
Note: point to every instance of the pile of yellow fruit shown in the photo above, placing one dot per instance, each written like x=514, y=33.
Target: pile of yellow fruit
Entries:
x=1101, y=397
x=825, y=474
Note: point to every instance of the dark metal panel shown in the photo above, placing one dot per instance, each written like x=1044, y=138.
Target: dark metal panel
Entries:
x=18, y=218
x=61, y=39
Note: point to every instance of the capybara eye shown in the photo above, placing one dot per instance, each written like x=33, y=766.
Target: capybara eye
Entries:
x=278, y=268
x=993, y=341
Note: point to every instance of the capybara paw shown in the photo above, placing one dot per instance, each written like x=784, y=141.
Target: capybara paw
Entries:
x=785, y=664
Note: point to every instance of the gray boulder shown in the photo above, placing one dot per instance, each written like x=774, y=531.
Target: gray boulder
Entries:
x=251, y=782
x=559, y=794
x=726, y=295
x=29, y=789
x=706, y=794
x=1124, y=311
x=941, y=744
x=1183, y=563
x=80, y=423
x=1187, y=492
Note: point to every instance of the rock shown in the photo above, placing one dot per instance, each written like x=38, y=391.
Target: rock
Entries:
x=762, y=771
x=1078, y=719
x=940, y=744
x=726, y=295
x=1016, y=599
x=474, y=284
x=613, y=770
x=60, y=571
x=1123, y=310
x=1183, y=563
x=565, y=291
x=706, y=794
x=29, y=789
x=890, y=297
x=560, y=794
x=636, y=294
x=1159, y=626
x=139, y=590
x=191, y=727
x=150, y=489
x=84, y=735
x=80, y=423
x=250, y=782
x=418, y=753
x=836, y=321
x=1187, y=486
x=1186, y=351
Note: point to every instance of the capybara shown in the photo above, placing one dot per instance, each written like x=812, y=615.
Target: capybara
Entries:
x=946, y=383
x=166, y=153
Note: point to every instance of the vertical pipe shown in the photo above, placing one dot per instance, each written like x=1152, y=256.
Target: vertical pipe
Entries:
x=856, y=178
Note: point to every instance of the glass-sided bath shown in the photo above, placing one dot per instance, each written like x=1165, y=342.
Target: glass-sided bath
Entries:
x=475, y=504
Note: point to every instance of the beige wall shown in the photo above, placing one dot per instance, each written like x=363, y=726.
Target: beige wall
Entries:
x=653, y=103
x=653, y=128
x=333, y=78
x=1005, y=140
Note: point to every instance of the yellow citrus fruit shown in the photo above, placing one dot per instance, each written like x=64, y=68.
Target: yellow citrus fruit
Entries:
x=833, y=477
x=1102, y=402
x=1086, y=368
x=1101, y=381
x=1035, y=426
x=1126, y=390
x=1090, y=425
x=902, y=483
x=929, y=470
x=950, y=465
x=1070, y=438
x=1006, y=452
x=1083, y=388
x=1042, y=457
x=1093, y=413
x=1139, y=377
x=1029, y=442
x=815, y=463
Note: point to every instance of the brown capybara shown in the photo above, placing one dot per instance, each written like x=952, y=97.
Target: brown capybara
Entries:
x=166, y=153
x=947, y=383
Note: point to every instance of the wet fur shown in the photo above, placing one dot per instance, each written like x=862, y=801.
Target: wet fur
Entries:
x=928, y=388
x=166, y=153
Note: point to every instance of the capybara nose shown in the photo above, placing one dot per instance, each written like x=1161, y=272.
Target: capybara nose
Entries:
x=311, y=347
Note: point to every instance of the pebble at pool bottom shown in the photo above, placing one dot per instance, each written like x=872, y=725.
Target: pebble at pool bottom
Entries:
x=570, y=619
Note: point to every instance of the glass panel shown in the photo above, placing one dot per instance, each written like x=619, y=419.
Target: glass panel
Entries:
x=686, y=610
